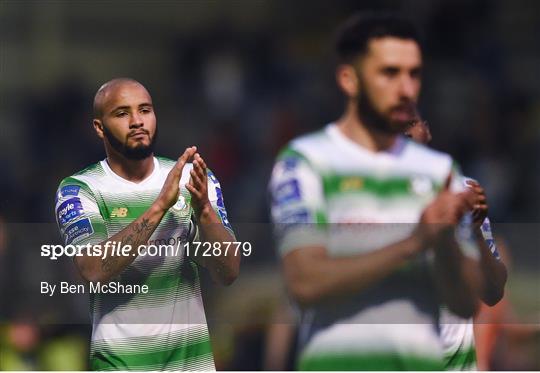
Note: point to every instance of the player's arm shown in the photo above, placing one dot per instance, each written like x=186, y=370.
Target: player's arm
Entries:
x=224, y=268
x=492, y=268
x=314, y=277
x=104, y=268
x=299, y=214
x=456, y=268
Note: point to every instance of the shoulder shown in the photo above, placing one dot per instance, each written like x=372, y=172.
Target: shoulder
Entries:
x=71, y=185
x=311, y=149
x=308, y=145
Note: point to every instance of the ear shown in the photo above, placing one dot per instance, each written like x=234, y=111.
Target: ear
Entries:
x=98, y=127
x=347, y=80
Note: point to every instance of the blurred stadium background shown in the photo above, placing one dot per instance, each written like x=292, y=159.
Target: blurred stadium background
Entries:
x=239, y=79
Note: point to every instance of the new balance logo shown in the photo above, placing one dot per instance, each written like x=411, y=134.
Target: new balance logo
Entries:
x=119, y=212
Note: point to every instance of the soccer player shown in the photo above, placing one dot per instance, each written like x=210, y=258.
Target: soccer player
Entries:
x=367, y=219
x=457, y=334
x=134, y=198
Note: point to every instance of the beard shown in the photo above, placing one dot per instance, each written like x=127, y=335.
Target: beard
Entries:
x=135, y=153
x=378, y=121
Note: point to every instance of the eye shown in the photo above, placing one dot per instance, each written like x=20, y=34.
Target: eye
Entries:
x=146, y=110
x=390, y=71
x=121, y=114
x=416, y=73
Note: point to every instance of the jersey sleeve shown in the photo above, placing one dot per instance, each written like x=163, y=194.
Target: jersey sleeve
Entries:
x=77, y=214
x=215, y=195
x=297, y=203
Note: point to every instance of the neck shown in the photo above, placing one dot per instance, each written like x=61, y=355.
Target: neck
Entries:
x=130, y=169
x=359, y=132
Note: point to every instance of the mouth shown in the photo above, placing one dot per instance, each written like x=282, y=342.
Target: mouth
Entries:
x=403, y=113
x=138, y=134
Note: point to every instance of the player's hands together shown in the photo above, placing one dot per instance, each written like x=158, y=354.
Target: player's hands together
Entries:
x=171, y=188
x=444, y=213
x=480, y=207
x=198, y=186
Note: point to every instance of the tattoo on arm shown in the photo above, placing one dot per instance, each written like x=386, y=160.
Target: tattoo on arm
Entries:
x=138, y=234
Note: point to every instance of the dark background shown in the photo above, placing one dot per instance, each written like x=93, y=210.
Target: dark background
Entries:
x=239, y=79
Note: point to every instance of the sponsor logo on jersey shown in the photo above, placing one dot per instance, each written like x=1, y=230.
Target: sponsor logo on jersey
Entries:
x=69, y=210
x=119, y=212
x=70, y=190
x=78, y=230
x=488, y=237
x=290, y=163
x=287, y=192
x=220, y=198
x=351, y=183
x=180, y=204
x=299, y=216
x=212, y=177
x=67, y=190
x=224, y=219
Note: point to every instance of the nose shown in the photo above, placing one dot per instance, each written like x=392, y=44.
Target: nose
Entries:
x=408, y=87
x=136, y=121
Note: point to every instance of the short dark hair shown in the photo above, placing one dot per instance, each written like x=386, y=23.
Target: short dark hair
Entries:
x=354, y=34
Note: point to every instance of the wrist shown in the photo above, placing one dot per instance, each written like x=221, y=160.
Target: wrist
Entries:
x=417, y=243
x=205, y=213
x=158, y=208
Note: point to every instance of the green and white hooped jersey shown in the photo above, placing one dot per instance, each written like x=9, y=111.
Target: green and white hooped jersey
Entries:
x=164, y=329
x=457, y=333
x=328, y=191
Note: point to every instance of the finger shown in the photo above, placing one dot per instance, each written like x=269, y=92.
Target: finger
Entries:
x=194, y=192
x=196, y=180
x=184, y=157
x=479, y=190
x=468, y=197
x=473, y=183
x=200, y=170
x=482, y=209
x=203, y=164
x=481, y=198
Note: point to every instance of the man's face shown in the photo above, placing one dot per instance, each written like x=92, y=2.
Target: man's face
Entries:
x=129, y=122
x=389, y=78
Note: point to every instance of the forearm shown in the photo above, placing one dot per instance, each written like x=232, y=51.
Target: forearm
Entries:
x=313, y=277
x=493, y=272
x=106, y=267
x=223, y=268
x=457, y=277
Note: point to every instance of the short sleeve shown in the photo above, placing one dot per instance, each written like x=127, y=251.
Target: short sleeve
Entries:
x=77, y=214
x=215, y=195
x=297, y=203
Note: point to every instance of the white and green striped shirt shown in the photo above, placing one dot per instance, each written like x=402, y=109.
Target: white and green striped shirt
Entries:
x=164, y=329
x=329, y=191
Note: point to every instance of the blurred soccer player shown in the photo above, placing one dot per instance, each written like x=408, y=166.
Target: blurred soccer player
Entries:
x=134, y=198
x=457, y=334
x=370, y=288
